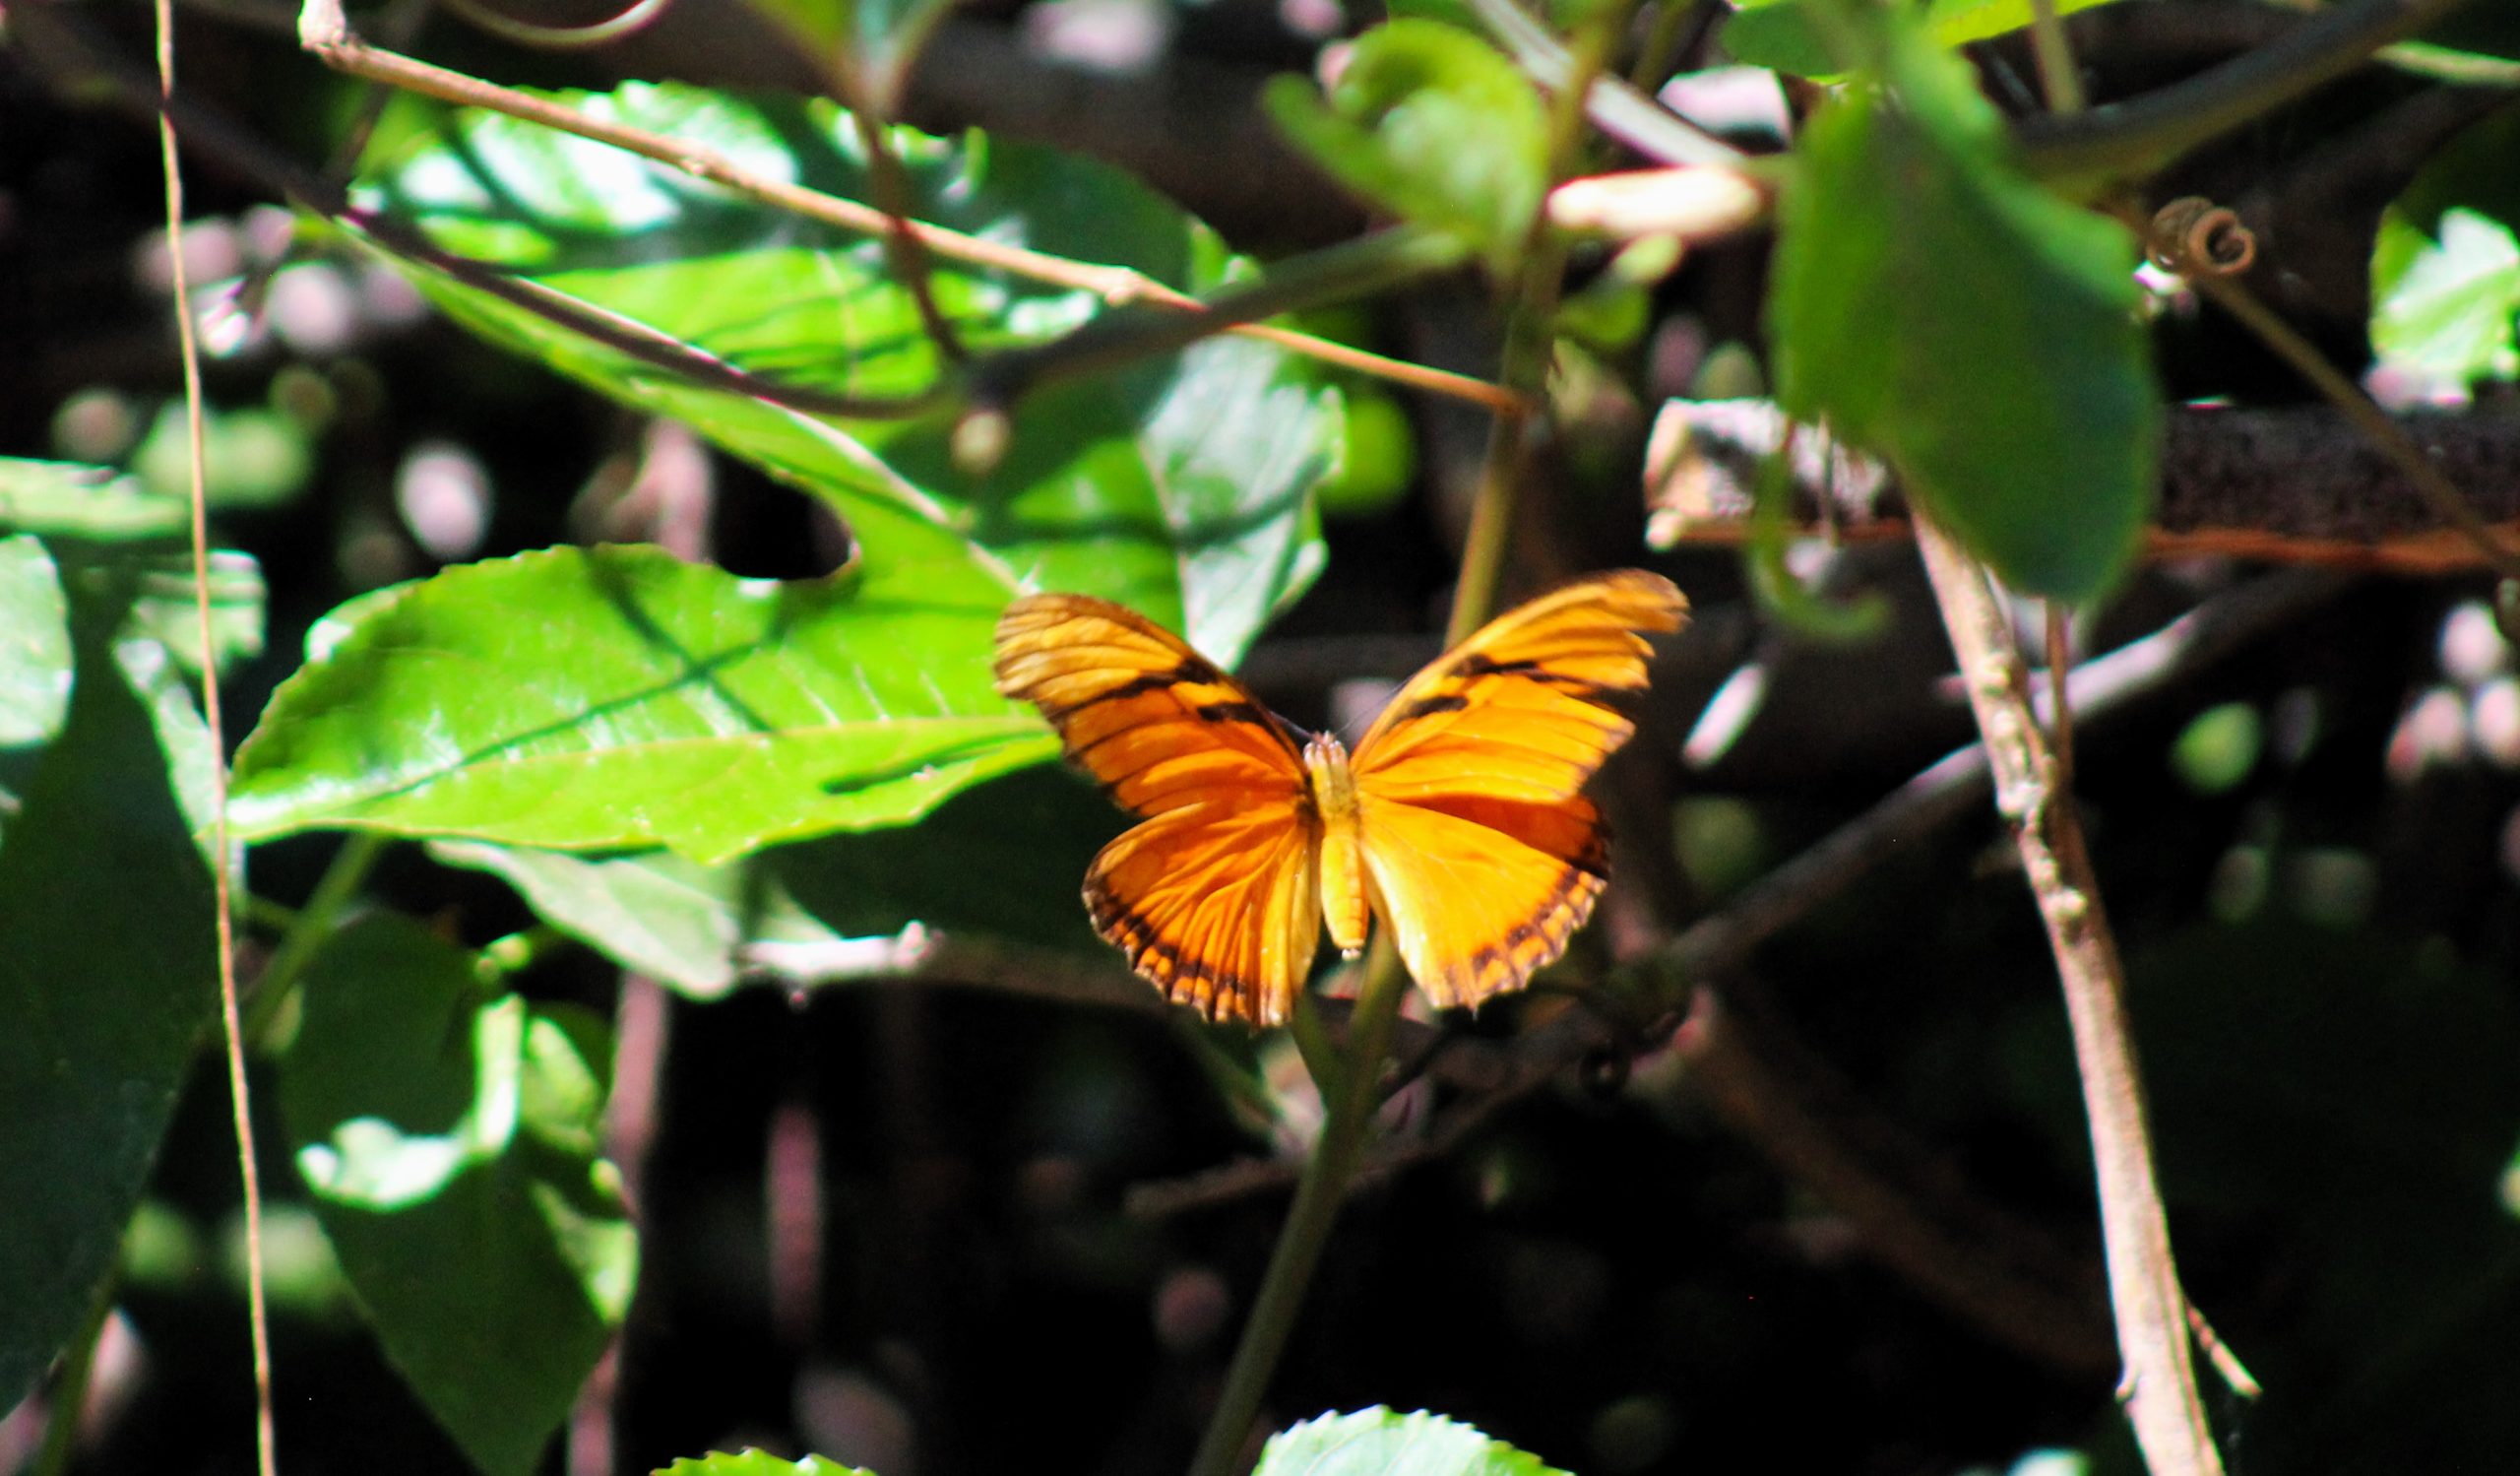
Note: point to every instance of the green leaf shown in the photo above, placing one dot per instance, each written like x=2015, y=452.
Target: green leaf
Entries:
x=1955, y=22
x=757, y=1464
x=1432, y=123
x=2490, y=32
x=163, y=611
x=160, y=630
x=1180, y=487
x=2444, y=305
x=615, y=697
x=2219, y=747
x=106, y=963
x=1779, y=33
x=2445, y=268
x=650, y=911
x=83, y=502
x=250, y=458
x=1934, y=307
x=1379, y=1442
x=34, y=645
x=877, y=40
x=1004, y=859
x=448, y=1143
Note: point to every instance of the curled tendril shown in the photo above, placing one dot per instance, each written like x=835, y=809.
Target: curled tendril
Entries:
x=2195, y=237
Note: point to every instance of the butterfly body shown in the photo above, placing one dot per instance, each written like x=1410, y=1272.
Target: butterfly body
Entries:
x=1458, y=821
x=1345, y=907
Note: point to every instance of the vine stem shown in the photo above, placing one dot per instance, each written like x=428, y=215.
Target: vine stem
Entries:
x=1354, y=1089
x=2151, y=1311
x=1349, y=1112
x=231, y=1019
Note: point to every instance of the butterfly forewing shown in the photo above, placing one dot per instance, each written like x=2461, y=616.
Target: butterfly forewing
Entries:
x=1522, y=709
x=1483, y=857
x=1214, y=898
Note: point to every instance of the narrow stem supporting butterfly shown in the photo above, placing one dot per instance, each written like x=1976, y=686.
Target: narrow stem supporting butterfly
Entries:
x=1458, y=821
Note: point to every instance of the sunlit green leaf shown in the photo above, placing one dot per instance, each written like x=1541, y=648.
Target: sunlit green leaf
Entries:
x=449, y=1142
x=1002, y=860
x=1379, y=1442
x=2446, y=267
x=1179, y=487
x=35, y=644
x=615, y=697
x=1432, y=123
x=250, y=458
x=1935, y=307
x=91, y=503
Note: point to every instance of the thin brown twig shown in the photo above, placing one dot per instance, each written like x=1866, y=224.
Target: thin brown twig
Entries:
x=2151, y=1311
x=230, y=1015
x=57, y=41
x=2366, y=416
x=324, y=31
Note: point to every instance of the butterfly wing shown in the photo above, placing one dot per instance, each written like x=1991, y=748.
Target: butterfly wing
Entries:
x=1483, y=855
x=1214, y=898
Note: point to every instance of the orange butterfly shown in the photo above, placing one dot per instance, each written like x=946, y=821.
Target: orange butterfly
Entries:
x=1458, y=821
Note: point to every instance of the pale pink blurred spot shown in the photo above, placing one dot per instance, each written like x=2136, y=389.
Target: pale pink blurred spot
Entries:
x=2435, y=730
x=2472, y=648
x=443, y=493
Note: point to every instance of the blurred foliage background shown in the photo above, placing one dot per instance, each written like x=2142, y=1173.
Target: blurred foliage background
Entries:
x=1005, y=1214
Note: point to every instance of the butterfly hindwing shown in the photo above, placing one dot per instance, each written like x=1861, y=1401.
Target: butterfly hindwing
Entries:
x=1218, y=907
x=1214, y=897
x=1481, y=895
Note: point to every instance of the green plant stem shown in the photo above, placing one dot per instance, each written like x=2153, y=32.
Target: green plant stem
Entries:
x=1530, y=340
x=314, y=923
x=1349, y=1112
x=70, y=1391
x=1354, y=1089
x=2058, y=76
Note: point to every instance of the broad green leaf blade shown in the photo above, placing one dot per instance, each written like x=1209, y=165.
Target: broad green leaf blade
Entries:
x=40, y=586
x=1381, y=1442
x=2444, y=309
x=106, y=963
x=449, y=1144
x=615, y=697
x=650, y=911
x=1180, y=487
x=1001, y=861
x=34, y=645
x=1430, y=123
x=757, y=1464
x=2445, y=268
x=1936, y=308
x=83, y=502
